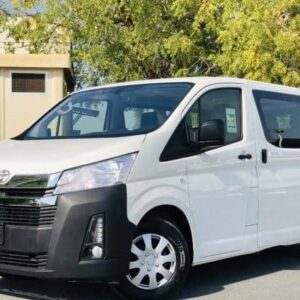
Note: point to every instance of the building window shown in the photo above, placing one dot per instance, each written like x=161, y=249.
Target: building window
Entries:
x=28, y=82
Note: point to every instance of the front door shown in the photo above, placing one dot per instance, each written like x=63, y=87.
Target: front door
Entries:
x=223, y=181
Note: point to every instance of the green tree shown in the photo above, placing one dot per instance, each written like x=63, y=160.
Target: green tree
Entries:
x=259, y=39
x=117, y=40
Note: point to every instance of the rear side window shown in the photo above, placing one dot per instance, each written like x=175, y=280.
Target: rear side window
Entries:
x=280, y=117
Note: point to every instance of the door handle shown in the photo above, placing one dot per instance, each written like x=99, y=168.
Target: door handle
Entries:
x=245, y=156
x=264, y=156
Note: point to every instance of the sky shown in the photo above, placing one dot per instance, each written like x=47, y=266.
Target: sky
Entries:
x=7, y=4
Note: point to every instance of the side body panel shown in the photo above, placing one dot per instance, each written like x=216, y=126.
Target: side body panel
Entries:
x=152, y=183
x=215, y=190
x=223, y=192
x=279, y=186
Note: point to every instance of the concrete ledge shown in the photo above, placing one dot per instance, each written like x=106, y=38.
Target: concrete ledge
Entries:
x=51, y=61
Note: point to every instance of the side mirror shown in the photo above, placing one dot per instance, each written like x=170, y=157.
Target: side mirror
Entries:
x=212, y=134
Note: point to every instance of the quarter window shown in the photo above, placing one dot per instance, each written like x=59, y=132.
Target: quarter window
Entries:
x=280, y=116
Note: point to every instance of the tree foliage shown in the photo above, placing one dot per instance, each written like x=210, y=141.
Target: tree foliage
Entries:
x=117, y=40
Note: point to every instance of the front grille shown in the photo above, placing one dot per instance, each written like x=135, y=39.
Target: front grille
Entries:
x=36, y=261
x=27, y=215
x=20, y=193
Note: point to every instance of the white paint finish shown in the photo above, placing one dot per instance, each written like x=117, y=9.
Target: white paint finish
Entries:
x=216, y=191
x=225, y=188
x=219, y=195
x=279, y=190
x=202, y=82
x=152, y=183
x=223, y=191
x=223, y=210
x=51, y=156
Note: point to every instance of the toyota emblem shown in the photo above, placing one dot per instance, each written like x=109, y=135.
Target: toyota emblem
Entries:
x=4, y=176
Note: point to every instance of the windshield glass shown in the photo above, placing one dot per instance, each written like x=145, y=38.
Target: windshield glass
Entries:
x=116, y=111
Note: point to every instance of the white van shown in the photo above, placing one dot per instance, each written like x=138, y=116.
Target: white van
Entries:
x=136, y=182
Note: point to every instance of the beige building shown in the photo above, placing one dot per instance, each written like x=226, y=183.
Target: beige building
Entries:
x=30, y=84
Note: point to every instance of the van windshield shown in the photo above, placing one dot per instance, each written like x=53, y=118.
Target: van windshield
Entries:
x=116, y=111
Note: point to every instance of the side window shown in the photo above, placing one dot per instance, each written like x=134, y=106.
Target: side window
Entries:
x=280, y=116
x=28, y=82
x=223, y=105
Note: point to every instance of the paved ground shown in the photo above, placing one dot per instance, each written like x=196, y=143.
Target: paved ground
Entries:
x=271, y=275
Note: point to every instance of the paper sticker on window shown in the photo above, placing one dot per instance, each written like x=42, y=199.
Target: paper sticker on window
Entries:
x=231, y=120
x=284, y=122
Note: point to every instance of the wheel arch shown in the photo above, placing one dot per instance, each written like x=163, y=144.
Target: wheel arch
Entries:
x=176, y=216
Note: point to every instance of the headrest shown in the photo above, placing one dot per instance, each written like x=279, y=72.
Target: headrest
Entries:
x=149, y=120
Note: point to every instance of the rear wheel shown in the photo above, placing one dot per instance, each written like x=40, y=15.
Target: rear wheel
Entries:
x=159, y=261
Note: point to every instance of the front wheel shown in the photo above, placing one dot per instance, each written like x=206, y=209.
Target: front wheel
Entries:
x=159, y=261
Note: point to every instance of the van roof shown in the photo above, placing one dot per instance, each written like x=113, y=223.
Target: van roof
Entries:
x=198, y=81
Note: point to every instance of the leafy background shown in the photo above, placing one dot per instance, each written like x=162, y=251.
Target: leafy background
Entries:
x=119, y=40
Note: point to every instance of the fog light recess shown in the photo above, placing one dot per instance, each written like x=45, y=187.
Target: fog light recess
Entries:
x=94, y=242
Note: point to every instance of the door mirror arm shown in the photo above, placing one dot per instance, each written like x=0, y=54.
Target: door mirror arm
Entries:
x=207, y=145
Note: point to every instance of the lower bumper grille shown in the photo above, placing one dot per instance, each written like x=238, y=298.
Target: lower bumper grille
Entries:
x=36, y=261
x=27, y=216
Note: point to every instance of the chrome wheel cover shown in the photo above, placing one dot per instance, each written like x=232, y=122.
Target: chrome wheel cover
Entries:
x=152, y=263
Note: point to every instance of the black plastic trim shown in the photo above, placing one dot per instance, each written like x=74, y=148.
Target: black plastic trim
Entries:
x=264, y=156
x=63, y=241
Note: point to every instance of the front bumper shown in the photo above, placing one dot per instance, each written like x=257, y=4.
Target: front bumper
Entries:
x=56, y=249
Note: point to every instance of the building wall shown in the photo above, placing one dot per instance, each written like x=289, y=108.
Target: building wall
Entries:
x=19, y=110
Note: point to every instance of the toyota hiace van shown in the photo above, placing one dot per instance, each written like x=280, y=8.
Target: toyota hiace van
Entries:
x=137, y=182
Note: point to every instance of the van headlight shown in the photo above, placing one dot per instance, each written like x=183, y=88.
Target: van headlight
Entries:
x=106, y=173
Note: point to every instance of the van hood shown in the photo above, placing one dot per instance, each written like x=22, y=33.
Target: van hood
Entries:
x=36, y=157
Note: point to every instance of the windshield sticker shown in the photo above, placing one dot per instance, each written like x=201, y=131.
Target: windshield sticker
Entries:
x=284, y=122
x=231, y=120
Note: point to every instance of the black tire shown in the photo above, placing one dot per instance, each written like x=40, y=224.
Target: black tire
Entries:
x=170, y=289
